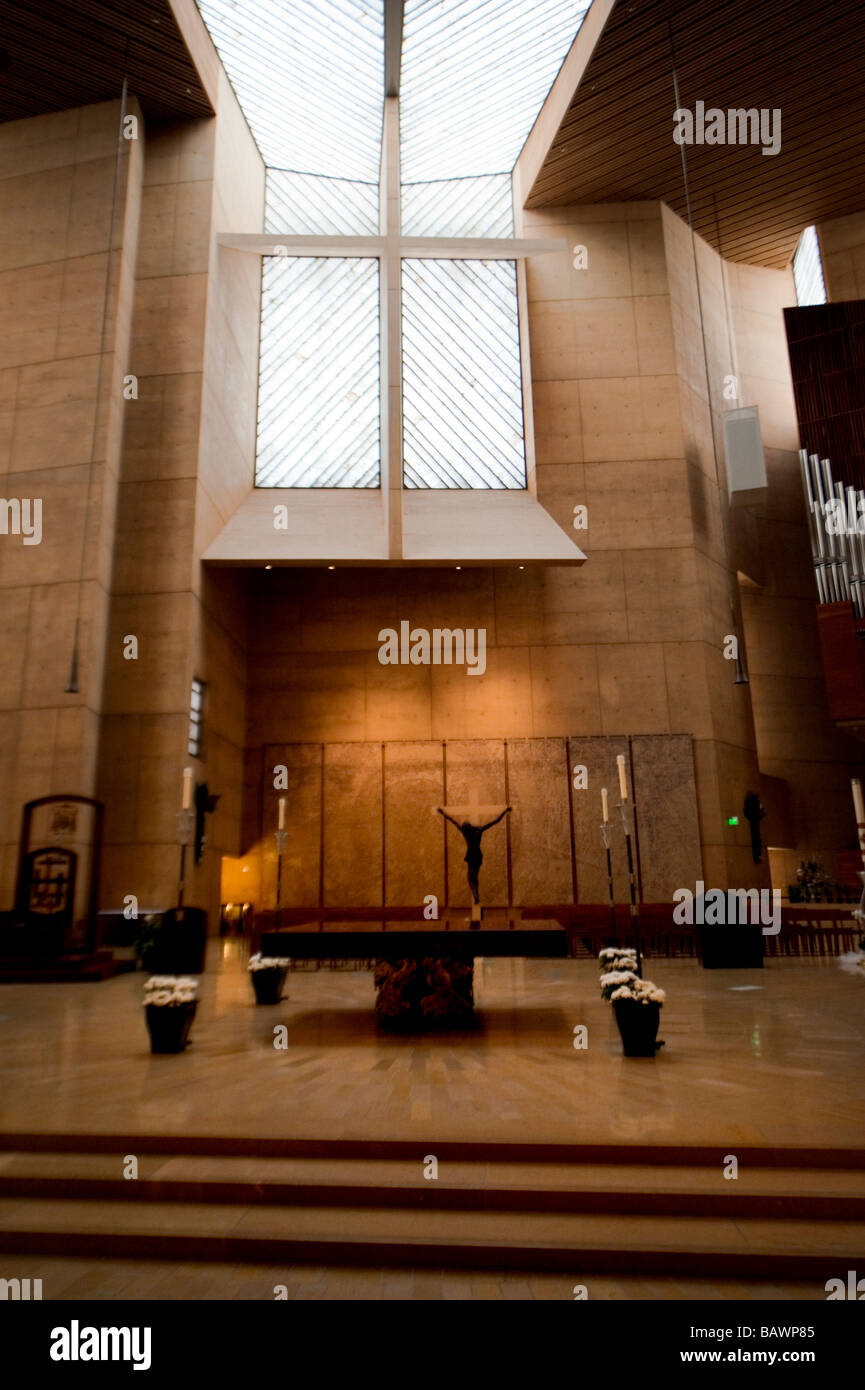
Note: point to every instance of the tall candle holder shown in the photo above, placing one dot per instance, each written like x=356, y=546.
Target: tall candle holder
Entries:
x=185, y=828
x=280, y=837
x=859, y=807
x=605, y=834
x=635, y=918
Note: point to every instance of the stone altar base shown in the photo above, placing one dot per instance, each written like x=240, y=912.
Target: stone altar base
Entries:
x=416, y=995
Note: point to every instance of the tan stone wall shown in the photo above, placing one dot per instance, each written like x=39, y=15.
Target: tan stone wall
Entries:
x=797, y=740
x=629, y=645
x=842, y=249
x=69, y=201
x=622, y=424
x=804, y=761
x=362, y=828
x=628, y=422
x=188, y=459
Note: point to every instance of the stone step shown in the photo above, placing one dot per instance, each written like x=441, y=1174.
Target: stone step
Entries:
x=628, y=1189
x=76, y=1278
x=497, y=1152
x=748, y=1247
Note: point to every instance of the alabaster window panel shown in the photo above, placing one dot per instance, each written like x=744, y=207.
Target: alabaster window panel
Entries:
x=310, y=77
x=462, y=387
x=319, y=382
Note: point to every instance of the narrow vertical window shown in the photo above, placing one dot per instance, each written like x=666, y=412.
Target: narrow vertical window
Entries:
x=196, y=718
x=808, y=269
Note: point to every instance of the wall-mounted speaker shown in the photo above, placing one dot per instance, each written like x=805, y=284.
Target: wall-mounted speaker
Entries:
x=743, y=453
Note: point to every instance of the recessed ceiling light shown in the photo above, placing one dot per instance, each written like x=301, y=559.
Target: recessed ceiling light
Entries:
x=459, y=567
x=268, y=567
x=331, y=567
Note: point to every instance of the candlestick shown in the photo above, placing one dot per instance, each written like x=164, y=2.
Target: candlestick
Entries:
x=186, y=803
x=605, y=836
x=632, y=879
x=623, y=781
x=604, y=805
x=185, y=828
x=282, y=813
x=280, y=850
x=859, y=806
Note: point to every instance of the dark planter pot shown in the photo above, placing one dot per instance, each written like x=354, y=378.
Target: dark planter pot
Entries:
x=179, y=943
x=268, y=985
x=638, y=1025
x=731, y=948
x=169, y=1026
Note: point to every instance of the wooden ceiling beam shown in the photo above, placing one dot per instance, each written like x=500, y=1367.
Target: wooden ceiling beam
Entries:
x=61, y=56
x=614, y=140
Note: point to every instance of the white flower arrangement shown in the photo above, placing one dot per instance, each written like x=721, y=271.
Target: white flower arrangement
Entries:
x=613, y=979
x=260, y=962
x=618, y=958
x=163, y=990
x=641, y=991
x=853, y=962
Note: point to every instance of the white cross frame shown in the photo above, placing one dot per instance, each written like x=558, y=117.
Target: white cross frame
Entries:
x=391, y=248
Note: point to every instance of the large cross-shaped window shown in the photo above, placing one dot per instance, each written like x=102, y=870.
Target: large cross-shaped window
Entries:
x=394, y=363
x=426, y=328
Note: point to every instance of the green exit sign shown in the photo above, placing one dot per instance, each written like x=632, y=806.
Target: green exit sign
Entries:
x=732, y=820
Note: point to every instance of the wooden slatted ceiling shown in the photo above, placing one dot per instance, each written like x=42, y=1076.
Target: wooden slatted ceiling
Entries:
x=804, y=57
x=65, y=53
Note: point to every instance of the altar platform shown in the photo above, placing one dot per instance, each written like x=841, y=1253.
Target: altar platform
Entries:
x=457, y=939
x=768, y=1057
x=552, y=1158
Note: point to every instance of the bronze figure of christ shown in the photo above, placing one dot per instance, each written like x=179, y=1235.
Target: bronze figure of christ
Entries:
x=472, y=834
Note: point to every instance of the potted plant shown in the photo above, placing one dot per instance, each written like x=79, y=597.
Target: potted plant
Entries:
x=268, y=977
x=614, y=979
x=145, y=939
x=812, y=880
x=618, y=958
x=637, y=1005
x=170, y=1002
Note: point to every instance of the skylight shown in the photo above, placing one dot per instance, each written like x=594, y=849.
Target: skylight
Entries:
x=308, y=75
x=474, y=77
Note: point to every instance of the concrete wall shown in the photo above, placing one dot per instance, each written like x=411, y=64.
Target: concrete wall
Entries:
x=622, y=425
x=188, y=459
x=796, y=740
x=628, y=420
x=628, y=646
x=70, y=191
x=362, y=827
x=842, y=249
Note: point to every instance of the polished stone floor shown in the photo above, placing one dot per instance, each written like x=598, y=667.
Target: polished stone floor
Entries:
x=86, y=1279
x=771, y=1056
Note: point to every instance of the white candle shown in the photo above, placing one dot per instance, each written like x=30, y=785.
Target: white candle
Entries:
x=282, y=813
x=187, y=789
x=623, y=781
x=859, y=805
x=604, y=804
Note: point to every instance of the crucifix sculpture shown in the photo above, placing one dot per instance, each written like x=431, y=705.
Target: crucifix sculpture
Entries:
x=471, y=822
